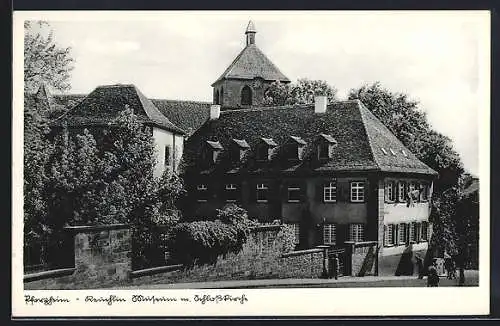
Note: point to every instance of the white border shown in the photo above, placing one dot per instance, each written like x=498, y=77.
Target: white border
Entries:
x=262, y=302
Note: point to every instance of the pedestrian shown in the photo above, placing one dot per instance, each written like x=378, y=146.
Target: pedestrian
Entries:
x=420, y=266
x=448, y=265
x=336, y=266
x=432, y=276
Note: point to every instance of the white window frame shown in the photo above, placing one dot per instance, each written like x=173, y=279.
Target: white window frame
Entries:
x=357, y=191
x=330, y=192
x=402, y=192
x=329, y=234
x=262, y=186
x=356, y=232
x=392, y=193
x=293, y=188
x=389, y=237
x=402, y=233
x=230, y=187
x=201, y=187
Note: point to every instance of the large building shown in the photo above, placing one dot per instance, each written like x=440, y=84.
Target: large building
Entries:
x=331, y=170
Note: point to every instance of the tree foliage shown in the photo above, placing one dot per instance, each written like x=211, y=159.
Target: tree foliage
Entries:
x=403, y=117
x=302, y=92
x=91, y=182
x=44, y=60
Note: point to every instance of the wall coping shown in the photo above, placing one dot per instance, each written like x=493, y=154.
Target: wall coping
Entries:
x=154, y=270
x=48, y=274
x=95, y=228
x=301, y=252
x=259, y=228
x=361, y=244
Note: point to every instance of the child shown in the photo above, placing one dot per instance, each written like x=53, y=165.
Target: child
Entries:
x=432, y=276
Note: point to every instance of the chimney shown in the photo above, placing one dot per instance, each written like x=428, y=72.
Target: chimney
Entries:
x=214, y=112
x=320, y=102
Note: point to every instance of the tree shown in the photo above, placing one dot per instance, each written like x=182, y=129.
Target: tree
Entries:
x=403, y=117
x=90, y=181
x=303, y=92
x=44, y=60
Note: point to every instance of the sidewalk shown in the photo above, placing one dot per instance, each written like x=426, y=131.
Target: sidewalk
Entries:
x=347, y=281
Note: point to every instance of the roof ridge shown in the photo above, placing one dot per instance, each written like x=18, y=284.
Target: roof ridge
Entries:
x=368, y=136
x=283, y=107
x=231, y=66
x=183, y=101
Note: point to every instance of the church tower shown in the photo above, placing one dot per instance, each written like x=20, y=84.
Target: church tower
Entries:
x=244, y=82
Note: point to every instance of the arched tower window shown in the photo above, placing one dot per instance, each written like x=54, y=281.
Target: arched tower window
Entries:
x=246, y=96
x=221, y=96
x=216, y=97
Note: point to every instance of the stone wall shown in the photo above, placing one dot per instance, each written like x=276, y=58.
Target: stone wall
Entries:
x=364, y=256
x=102, y=256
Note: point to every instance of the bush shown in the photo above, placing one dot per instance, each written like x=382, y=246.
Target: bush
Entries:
x=201, y=242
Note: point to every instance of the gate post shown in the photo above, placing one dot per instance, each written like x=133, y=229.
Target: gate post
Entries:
x=325, y=272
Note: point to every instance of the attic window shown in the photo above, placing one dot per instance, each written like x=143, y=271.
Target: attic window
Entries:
x=215, y=147
x=296, y=148
x=325, y=146
x=239, y=148
x=404, y=153
x=383, y=151
x=265, y=148
x=392, y=152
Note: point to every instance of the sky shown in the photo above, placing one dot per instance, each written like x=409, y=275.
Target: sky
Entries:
x=433, y=57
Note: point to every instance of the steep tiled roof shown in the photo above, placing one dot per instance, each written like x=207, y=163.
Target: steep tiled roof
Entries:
x=103, y=104
x=358, y=133
x=187, y=115
x=252, y=63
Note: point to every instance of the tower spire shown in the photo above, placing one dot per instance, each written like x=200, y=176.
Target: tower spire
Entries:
x=250, y=33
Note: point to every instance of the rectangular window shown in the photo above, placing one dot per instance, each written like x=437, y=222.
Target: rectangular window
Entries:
x=357, y=192
x=329, y=234
x=424, y=194
x=413, y=232
x=296, y=232
x=390, y=235
x=262, y=192
x=402, y=233
x=167, y=156
x=401, y=192
x=356, y=232
x=231, y=192
x=262, y=152
x=390, y=191
x=330, y=192
x=202, y=190
x=293, y=193
x=323, y=151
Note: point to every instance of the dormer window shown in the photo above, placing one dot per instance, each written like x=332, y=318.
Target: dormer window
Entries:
x=295, y=148
x=214, y=148
x=326, y=145
x=404, y=153
x=239, y=148
x=265, y=149
x=392, y=152
x=384, y=151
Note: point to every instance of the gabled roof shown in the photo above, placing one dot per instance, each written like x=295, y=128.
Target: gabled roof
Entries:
x=252, y=63
x=241, y=143
x=359, y=135
x=298, y=140
x=104, y=103
x=187, y=115
x=328, y=138
x=269, y=141
x=215, y=145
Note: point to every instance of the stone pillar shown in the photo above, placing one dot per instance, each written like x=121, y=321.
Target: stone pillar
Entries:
x=102, y=253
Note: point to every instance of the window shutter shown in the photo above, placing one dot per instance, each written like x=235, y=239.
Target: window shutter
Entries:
x=283, y=192
x=343, y=191
x=319, y=192
x=385, y=235
x=252, y=191
x=303, y=191
x=396, y=234
x=386, y=192
x=407, y=227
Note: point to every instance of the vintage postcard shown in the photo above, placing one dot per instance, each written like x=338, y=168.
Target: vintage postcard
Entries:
x=263, y=163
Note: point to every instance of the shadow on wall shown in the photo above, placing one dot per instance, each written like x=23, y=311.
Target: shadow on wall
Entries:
x=368, y=265
x=405, y=266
